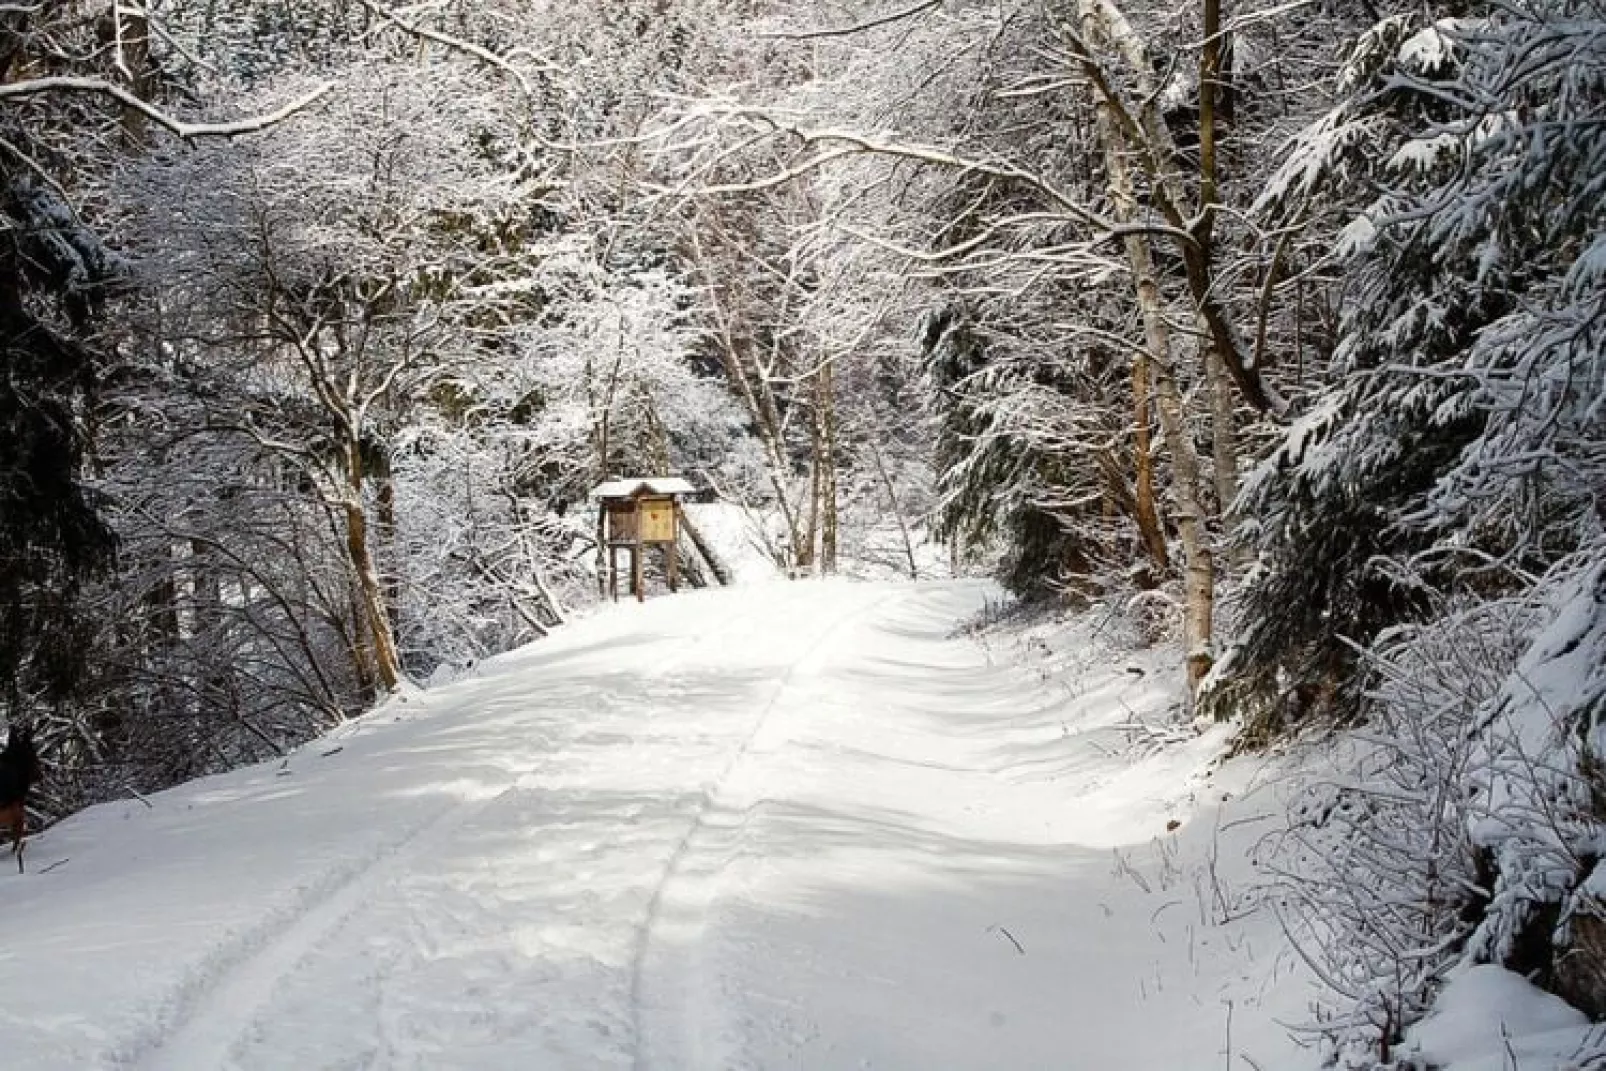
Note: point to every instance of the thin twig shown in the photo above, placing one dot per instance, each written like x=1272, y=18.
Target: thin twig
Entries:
x=848, y=31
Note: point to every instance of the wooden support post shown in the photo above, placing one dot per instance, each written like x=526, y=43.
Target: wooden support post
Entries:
x=613, y=571
x=635, y=572
x=674, y=566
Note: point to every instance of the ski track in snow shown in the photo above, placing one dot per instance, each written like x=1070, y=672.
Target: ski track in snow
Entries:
x=222, y=996
x=219, y=1001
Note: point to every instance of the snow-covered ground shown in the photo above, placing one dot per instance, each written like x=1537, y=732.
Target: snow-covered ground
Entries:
x=794, y=825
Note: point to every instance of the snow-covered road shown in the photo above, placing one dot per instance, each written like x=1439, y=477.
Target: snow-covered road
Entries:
x=788, y=826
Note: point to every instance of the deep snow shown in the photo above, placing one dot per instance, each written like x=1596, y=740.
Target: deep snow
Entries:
x=794, y=825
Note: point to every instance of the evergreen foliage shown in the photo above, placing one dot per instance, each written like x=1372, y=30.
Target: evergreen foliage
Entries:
x=1430, y=534
x=1459, y=450
x=1008, y=457
x=53, y=273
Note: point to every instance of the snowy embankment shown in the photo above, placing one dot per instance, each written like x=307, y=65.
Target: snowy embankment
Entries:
x=790, y=825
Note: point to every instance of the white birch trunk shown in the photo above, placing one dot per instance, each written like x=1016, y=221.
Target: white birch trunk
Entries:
x=1198, y=572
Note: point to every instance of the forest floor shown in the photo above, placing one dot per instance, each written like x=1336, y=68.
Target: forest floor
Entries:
x=790, y=825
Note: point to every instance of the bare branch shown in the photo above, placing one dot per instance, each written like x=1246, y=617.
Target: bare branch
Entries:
x=848, y=31
x=33, y=165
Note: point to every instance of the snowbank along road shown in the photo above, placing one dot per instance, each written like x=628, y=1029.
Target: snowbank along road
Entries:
x=789, y=826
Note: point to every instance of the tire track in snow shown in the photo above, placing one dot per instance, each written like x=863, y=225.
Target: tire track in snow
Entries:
x=219, y=1001
x=676, y=880
x=217, y=1005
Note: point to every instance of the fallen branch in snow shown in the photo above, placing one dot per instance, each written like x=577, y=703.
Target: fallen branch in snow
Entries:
x=1011, y=937
x=1124, y=869
x=52, y=866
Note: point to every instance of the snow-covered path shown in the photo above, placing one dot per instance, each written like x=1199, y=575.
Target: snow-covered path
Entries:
x=792, y=826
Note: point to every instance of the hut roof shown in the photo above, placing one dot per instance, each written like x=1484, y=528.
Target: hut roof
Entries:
x=637, y=485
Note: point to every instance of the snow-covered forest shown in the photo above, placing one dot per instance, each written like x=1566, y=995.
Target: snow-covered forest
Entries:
x=1274, y=330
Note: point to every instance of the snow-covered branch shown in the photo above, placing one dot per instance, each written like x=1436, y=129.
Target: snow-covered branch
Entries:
x=856, y=28
x=32, y=87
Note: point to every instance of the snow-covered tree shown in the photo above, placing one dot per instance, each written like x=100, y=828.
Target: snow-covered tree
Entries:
x=324, y=267
x=1430, y=532
x=1075, y=201
x=80, y=88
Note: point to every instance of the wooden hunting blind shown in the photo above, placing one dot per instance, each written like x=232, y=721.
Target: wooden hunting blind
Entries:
x=638, y=513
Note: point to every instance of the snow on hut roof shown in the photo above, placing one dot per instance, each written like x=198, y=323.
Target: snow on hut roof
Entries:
x=635, y=485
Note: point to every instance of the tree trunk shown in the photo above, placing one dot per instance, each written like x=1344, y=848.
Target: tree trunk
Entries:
x=163, y=633
x=133, y=53
x=806, y=557
x=389, y=535
x=602, y=436
x=382, y=642
x=759, y=401
x=1198, y=568
x=607, y=567
x=1198, y=572
x=1223, y=439
x=381, y=639
x=897, y=509
x=825, y=418
x=362, y=660
x=1209, y=76
x=1143, y=128
x=1223, y=431
x=1144, y=507
x=208, y=588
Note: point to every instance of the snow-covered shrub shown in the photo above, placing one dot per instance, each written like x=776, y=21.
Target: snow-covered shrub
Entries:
x=479, y=567
x=224, y=636
x=1377, y=863
x=1465, y=824
x=1022, y=454
x=1542, y=785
